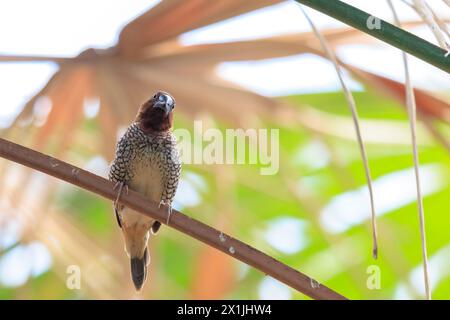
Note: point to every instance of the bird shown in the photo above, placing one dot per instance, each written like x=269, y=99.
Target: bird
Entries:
x=146, y=161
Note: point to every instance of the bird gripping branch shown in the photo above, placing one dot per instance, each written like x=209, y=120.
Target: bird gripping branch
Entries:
x=147, y=162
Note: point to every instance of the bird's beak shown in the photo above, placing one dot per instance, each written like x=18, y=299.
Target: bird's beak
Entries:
x=165, y=103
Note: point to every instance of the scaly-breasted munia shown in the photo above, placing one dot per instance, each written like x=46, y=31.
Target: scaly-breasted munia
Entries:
x=147, y=162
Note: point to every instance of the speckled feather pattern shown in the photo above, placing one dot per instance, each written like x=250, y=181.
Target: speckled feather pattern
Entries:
x=147, y=162
x=157, y=150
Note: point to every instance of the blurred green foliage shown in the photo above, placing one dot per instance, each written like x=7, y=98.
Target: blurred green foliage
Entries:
x=339, y=260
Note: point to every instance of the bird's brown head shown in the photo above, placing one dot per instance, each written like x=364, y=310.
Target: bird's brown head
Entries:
x=156, y=114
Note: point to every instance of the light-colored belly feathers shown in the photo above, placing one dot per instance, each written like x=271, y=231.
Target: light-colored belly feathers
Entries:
x=147, y=180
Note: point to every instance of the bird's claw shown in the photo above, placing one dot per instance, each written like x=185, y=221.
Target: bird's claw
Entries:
x=169, y=209
x=119, y=185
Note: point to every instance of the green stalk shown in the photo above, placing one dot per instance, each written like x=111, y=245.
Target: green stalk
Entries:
x=387, y=32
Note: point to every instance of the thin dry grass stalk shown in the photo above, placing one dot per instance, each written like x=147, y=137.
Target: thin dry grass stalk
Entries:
x=430, y=18
x=352, y=105
x=411, y=104
x=439, y=21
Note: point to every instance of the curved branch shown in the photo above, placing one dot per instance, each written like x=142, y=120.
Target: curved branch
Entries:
x=191, y=227
x=30, y=58
x=386, y=32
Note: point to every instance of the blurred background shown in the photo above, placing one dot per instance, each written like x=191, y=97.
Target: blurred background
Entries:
x=73, y=74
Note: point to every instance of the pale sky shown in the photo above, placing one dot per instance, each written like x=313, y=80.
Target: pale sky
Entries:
x=64, y=28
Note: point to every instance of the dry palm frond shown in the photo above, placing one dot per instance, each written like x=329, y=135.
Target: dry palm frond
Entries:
x=427, y=103
x=27, y=110
x=207, y=55
x=429, y=107
x=431, y=126
x=171, y=18
x=63, y=119
x=148, y=57
x=65, y=239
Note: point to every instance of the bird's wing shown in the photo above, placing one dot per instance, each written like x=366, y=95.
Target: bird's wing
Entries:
x=172, y=170
x=120, y=169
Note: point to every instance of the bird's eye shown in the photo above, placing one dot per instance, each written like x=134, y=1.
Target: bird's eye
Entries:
x=154, y=97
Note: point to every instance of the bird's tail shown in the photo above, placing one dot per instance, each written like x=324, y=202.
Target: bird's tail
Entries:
x=139, y=270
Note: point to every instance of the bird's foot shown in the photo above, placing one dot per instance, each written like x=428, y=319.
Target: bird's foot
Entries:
x=119, y=185
x=169, y=211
